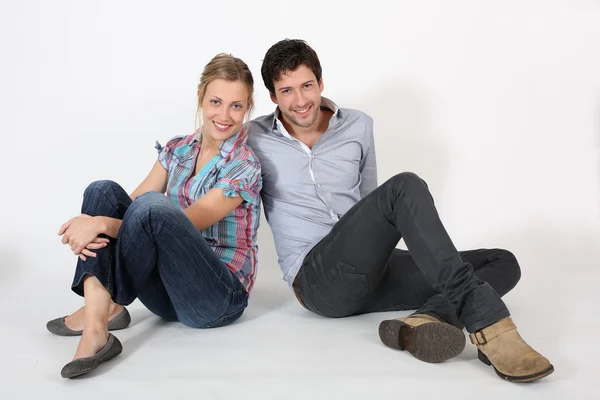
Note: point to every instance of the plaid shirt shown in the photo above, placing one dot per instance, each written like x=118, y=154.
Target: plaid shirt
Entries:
x=237, y=171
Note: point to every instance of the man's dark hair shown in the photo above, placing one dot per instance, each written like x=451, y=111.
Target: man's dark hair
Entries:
x=288, y=55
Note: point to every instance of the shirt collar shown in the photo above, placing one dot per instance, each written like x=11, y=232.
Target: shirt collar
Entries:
x=325, y=103
x=228, y=145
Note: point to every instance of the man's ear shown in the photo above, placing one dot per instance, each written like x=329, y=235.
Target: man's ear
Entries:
x=273, y=98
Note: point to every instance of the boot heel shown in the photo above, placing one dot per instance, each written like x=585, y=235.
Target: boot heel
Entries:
x=483, y=358
x=390, y=333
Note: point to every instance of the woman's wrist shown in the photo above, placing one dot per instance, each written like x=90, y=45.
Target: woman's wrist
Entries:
x=101, y=224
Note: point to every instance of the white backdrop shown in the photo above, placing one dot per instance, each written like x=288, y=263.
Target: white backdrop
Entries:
x=495, y=104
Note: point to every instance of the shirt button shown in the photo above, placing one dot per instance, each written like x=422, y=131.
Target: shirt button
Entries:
x=319, y=186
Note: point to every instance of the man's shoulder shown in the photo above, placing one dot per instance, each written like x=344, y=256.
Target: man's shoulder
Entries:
x=262, y=124
x=353, y=115
x=260, y=130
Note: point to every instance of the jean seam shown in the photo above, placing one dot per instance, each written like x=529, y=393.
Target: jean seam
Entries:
x=317, y=292
x=427, y=244
x=316, y=310
x=326, y=247
x=84, y=272
x=109, y=271
x=488, y=321
x=189, y=239
x=204, y=259
x=222, y=318
x=416, y=226
x=116, y=208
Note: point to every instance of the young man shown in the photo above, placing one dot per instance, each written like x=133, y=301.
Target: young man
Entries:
x=336, y=230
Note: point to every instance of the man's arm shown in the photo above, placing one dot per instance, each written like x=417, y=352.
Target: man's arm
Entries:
x=368, y=164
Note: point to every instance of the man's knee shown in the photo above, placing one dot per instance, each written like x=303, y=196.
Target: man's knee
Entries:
x=510, y=267
x=408, y=181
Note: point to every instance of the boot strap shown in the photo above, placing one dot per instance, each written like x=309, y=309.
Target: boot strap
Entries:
x=486, y=334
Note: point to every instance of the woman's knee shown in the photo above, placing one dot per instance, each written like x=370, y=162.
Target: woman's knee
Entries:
x=102, y=186
x=148, y=212
x=151, y=203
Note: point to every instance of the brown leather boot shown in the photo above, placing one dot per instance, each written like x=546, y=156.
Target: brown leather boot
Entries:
x=501, y=346
x=424, y=336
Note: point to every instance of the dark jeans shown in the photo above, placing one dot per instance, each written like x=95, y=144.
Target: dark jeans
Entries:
x=357, y=269
x=162, y=259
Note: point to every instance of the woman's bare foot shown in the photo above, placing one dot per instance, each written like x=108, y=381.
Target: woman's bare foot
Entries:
x=95, y=318
x=91, y=342
x=75, y=320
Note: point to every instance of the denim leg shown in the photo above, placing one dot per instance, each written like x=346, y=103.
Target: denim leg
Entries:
x=154, y=296
x=475, y=301
x=143, y=263
x=158, y=239
x=498, y=268
x=344, y=271
x=406, y=288
x=108, y=199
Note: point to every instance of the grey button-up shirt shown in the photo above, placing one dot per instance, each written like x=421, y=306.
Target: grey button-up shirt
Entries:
x=306, y=191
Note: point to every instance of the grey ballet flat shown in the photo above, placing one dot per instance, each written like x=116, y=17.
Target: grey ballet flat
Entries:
x=58, y=327
x=84, y=365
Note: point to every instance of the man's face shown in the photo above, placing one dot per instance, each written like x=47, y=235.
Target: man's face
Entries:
x=298, y=95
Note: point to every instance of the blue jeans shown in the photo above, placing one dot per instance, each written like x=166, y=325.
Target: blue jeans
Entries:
x=161, y=258
x=357, y=269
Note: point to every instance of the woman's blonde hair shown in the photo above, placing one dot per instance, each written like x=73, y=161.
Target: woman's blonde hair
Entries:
x=230, y=68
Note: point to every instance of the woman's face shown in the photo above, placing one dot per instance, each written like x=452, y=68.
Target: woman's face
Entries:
x=224, y=106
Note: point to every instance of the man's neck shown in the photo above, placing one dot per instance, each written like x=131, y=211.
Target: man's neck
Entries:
x=309, y=135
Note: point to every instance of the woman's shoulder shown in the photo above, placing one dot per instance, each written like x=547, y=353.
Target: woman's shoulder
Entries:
x=175, y=142
x=243, y=152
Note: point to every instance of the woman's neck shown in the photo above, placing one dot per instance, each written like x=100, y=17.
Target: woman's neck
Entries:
x=209, y=146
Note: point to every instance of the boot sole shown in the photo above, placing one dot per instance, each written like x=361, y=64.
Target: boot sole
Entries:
x=517, y=379
x=432, y=342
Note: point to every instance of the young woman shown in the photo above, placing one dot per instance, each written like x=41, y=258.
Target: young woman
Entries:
x=189, y=256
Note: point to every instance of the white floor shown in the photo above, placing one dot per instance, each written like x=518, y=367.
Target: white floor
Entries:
x=278, y=350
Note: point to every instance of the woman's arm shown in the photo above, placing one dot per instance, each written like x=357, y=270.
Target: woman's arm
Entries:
x=109, y=226
x=156, y=181
x=211, y=208
x=206, y=211
x=240, y=181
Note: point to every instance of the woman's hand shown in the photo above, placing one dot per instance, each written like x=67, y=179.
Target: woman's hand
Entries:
x=81, y=234
x=96, y=244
